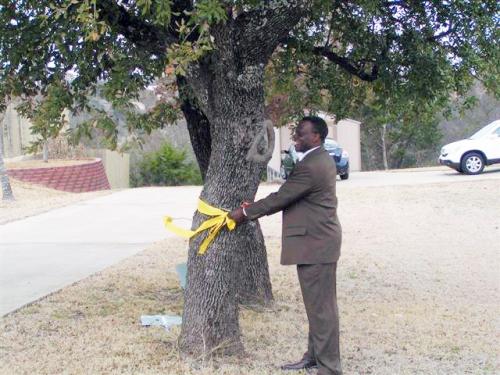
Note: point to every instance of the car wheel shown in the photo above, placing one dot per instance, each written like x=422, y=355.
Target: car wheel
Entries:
x=472, y=163
x=344, y=176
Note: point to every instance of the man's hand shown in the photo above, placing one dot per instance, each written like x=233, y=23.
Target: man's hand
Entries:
x=238, y=215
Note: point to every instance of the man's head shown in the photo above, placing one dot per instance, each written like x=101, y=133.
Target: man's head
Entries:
x=311, y=132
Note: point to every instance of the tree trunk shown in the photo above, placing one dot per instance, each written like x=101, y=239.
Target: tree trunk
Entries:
x=254, y=286
x=234, y=268
x=384, y=146
x=45, y=152
x=210, y=319
x=7, y=194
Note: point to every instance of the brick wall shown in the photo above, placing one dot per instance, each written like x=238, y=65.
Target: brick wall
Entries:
x=75, y=178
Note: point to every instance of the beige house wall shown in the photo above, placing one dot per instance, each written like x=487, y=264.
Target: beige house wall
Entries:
x=347, y=133
x=275, y=161
x=286, y=133
x=349, y=137
x=117, y=167
x=16, y=132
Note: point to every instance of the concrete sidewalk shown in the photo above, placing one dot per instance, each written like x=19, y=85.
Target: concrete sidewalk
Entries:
x=44, y=253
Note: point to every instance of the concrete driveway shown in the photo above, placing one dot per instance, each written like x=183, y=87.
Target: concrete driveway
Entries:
x=44, y=253
x=416, y=176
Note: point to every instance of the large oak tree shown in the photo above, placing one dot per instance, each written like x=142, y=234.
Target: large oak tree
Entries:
x=319, y=54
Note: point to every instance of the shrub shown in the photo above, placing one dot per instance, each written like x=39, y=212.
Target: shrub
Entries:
x=166, y=167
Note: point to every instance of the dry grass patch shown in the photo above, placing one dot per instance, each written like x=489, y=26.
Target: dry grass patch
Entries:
x=416, y=296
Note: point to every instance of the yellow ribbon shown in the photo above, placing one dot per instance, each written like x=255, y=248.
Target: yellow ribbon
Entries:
x=220, y=219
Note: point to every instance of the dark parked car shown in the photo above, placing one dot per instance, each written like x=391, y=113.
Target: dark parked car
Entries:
x=340, y=156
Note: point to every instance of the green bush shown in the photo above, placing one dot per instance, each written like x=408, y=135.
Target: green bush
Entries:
x=166, y=167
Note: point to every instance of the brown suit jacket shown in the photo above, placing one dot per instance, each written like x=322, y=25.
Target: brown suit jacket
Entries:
x=311, y=230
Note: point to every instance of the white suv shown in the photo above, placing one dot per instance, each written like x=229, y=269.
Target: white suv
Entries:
x=470, y=155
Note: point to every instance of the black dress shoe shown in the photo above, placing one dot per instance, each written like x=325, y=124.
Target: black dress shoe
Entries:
x=303, y=364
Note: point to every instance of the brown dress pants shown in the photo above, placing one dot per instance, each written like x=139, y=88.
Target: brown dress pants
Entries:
x=319, y=291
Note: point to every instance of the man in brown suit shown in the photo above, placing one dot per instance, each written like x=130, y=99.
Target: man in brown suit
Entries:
x=311, y=239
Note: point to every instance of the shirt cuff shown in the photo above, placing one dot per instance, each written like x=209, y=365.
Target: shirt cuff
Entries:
x=244, y=212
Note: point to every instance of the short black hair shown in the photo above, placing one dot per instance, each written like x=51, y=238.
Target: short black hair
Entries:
x=319, y=126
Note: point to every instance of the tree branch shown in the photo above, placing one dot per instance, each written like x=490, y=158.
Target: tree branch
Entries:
x=198, y=126
x=353, y=68
x=135, y=29
x=259, y=31
x=436, y=37
x=395, y=3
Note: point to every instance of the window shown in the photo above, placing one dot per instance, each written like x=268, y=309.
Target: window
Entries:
x=488, y=130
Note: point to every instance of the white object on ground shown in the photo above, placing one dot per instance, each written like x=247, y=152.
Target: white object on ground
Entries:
x=166, y=321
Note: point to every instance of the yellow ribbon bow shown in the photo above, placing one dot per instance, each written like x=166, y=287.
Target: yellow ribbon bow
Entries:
x=220, y=219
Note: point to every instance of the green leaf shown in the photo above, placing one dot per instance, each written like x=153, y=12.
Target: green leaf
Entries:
x=163, y=12
x=144, y=6
x=211, y=11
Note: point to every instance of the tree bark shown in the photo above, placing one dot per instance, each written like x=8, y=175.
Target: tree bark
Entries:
x=214, y=281
x=255, y=287
x=45, y=152
x=384, y=146
x=7, y=194
x=255, y=283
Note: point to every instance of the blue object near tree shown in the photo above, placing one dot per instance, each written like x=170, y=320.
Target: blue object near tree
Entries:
x=181, y=269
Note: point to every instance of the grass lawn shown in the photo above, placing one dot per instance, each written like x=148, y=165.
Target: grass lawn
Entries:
x=414, y=297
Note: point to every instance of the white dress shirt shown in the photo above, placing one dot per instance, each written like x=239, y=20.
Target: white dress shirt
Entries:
x=302, y=155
